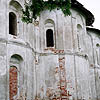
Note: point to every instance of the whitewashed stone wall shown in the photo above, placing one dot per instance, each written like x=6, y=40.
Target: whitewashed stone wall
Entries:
x=73, y=62
x=93, y=50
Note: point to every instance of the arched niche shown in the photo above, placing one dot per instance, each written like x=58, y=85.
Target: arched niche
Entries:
x=14, y=69
x=80, y=37
x=16, y=5
x=80, y=19
x=16, y=59
x=49, y=21
x=79, y=27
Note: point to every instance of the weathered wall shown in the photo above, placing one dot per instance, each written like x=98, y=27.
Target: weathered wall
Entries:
x=68, y=70
x=57, y=73
x=93, y=50
x=16, y=46
x=3, y=49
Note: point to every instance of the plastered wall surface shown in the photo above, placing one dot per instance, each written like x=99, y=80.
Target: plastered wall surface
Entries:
x=68, y=71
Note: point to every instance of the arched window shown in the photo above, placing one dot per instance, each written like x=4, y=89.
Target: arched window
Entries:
x=12, y=24
x=13, y=82
x=16, y=63
x=49, y=38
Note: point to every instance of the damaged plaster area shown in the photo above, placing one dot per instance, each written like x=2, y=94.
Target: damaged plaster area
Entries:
x=56, y=57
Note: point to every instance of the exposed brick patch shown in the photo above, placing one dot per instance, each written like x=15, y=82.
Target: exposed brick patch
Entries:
x=63, y=82
x=55, y=50
x=12, y=82
x=61, y=92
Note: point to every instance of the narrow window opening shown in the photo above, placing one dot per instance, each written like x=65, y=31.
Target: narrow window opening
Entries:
x=49, y=38
x=12, y=24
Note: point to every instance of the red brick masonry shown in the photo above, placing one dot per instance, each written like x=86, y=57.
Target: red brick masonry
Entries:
x=12, y=82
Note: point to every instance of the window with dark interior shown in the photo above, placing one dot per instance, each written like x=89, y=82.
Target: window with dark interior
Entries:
x=49, y=38
x=12, y=24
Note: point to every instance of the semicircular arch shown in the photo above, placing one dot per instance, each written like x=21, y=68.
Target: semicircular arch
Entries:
x=16, y=5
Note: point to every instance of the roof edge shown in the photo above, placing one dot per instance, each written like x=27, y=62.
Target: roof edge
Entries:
x=89, y=16
x=93, y=30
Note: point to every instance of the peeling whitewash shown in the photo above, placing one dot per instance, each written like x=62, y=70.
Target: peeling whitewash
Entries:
x=68, y=71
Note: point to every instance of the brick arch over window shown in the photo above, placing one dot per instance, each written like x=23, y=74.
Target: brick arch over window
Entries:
x=15, y=64
x=12, y=24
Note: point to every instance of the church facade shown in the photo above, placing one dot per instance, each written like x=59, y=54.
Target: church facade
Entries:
x=56, y=57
